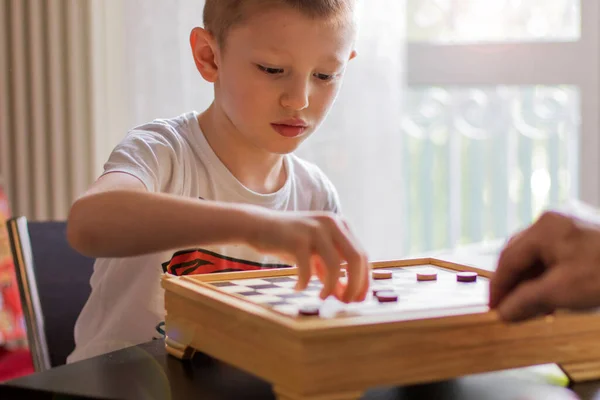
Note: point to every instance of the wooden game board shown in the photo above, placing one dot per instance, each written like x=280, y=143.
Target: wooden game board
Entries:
x=436, y=330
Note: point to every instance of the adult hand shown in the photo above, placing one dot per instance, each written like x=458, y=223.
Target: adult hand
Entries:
x=554, y=263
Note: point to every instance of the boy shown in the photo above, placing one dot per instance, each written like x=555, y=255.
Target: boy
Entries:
x=212, y=192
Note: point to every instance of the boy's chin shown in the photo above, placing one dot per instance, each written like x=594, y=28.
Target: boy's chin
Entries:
x=282, y=146
x=276, y=144
x=283, y=150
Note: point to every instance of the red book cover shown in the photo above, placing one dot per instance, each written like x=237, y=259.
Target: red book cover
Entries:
x=11, y=314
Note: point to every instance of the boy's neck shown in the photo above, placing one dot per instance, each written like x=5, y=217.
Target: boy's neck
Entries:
x=256, y=169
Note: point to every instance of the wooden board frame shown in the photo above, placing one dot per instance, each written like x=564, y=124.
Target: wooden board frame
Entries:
x=341, y=358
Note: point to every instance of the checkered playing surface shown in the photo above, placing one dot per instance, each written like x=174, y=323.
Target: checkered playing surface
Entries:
x=413, y=296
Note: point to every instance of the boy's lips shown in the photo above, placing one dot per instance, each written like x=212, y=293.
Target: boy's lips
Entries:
x=290, y=128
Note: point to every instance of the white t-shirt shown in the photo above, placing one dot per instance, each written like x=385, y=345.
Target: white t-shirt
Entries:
x=173, y=156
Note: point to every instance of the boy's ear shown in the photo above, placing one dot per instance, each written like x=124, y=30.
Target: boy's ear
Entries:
x=204, y=50
x=353, y=55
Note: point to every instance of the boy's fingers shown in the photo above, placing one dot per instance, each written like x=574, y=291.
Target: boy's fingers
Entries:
x=331, y=260
x=361, y=274
x=355, y=277
x=339, y=287
x=356, y=263
x=348, y=231
x=531, y=298
x=321, y=273
x=304, y=269
x=365, y=283
x=339, y=290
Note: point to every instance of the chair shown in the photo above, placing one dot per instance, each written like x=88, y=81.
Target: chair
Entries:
x=54, y=284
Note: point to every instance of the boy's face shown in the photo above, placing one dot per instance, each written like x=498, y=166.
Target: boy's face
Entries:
x=279, y=74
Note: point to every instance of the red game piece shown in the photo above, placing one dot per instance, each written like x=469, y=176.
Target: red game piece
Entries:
x=387, y=296
x=466, y=276
x=382, y=289
x=309, y=310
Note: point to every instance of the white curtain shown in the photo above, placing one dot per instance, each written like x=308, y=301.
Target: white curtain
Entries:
x=358, y=146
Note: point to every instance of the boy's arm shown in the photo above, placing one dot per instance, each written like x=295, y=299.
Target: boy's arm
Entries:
x=118, y=217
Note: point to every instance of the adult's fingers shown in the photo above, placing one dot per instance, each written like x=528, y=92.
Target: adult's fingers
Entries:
x=519, y=255
x=532, y=298
x=532, y=251
x=514, y=237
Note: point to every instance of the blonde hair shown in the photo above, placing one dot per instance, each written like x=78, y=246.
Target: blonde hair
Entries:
x=222, y=15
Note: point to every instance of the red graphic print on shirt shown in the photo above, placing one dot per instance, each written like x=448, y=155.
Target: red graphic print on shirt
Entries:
x=199, y=261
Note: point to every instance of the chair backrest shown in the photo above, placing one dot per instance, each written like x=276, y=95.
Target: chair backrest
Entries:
x=54, y=283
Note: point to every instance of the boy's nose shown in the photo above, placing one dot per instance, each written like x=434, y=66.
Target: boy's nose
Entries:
x=296, y=96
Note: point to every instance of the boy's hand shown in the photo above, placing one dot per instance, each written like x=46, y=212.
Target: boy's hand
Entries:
x=555, y=263
x=318, y=243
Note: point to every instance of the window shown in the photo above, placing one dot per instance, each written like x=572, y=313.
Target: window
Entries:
x=471, y=21
x=500, y=119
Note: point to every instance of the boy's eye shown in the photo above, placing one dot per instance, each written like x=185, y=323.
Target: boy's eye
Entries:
x=270, y=71
x=324, y=77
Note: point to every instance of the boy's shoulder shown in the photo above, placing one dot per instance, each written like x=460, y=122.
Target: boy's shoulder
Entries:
x=153, y=152
x=175, y=128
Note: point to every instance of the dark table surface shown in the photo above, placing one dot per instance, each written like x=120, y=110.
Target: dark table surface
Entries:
x=148, y=372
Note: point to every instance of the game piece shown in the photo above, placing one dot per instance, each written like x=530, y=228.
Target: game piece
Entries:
x=387, y=296
x=309, y=310
x=382, y=289
x=426, y=276
x=466, y=277
x=382, y=274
